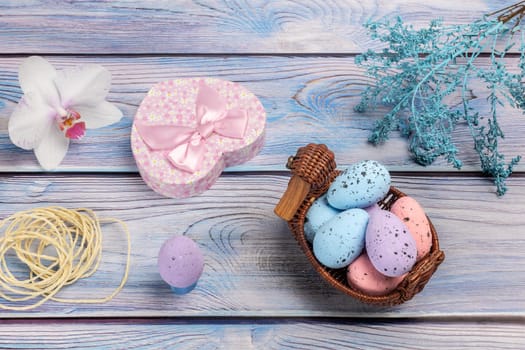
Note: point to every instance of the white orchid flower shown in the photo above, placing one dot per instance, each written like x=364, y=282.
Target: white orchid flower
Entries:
x=58, y=106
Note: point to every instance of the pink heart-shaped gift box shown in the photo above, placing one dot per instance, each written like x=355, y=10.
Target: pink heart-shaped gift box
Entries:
x=171, y=105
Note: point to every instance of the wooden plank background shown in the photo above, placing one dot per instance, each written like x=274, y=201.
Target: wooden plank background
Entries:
x=267, y=334
x=257, y=291
x=308, y=99
x=212, y=26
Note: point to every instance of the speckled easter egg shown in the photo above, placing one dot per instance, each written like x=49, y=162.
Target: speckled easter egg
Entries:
x=412, y=214
x=180, y=263
x=389, y=244
x=359, y=186
x=362, y=275
x=319, y=213
x=372, y=208
x=341, y=239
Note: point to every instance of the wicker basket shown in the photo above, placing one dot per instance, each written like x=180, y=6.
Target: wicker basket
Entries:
x=313, y=170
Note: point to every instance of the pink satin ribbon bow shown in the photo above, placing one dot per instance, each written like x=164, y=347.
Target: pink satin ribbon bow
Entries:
x=187, y=145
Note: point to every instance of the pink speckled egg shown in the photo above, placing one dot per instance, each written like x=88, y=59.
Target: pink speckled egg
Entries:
x=362, y=275
x=180, y=263
x=389, y=244
x=414, y=217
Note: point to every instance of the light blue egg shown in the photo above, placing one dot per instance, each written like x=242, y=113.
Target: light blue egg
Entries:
x=340, y=240
x=309, y=231
x=319, y=213
x=359, y=186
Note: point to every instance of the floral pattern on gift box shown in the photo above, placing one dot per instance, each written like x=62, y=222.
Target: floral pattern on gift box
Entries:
x=173, y=103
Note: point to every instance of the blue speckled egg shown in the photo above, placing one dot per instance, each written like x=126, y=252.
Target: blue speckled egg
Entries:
x=319, y=213
x=389, y=245
x=340, y=240
x=359, y=186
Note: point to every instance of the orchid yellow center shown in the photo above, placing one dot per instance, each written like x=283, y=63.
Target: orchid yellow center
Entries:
x=71, y=125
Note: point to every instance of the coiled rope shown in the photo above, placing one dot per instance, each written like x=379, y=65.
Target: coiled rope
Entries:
x=59, y=246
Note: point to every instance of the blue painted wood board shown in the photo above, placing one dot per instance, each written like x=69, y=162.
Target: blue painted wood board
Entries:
x=258, y=290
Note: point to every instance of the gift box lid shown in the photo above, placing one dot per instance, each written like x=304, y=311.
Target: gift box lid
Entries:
x=186, y=131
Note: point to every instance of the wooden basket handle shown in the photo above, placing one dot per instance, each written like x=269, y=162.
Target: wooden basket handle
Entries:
x=311, y=168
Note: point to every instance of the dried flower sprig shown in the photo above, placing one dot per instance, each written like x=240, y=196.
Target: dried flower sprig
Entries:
x=420, y=70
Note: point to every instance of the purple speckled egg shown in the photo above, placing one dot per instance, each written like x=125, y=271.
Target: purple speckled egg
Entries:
x=389, y=244
x=412, y=214
x=180, y=263
x=372, y=208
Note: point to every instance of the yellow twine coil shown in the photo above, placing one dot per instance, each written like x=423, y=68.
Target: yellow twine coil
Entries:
x=59, y=246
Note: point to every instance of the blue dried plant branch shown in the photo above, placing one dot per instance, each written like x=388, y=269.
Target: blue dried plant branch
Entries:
x=419, y=71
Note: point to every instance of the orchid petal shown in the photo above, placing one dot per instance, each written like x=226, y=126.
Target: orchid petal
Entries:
x=87, y=84
x=99, y=115
x=52, y=149
x=36, y=75
x=30, y=121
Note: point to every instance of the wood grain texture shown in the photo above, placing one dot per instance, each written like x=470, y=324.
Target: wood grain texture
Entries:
x=253, y=266
x=307, y=99
x=212, y=26
x=268, y=335
x=258, y=291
